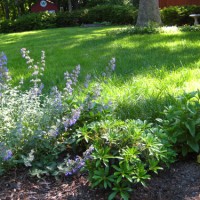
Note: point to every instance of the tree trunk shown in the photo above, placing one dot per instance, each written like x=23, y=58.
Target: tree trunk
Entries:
x=2, y=8
x=70, y=5
x=75, y=4
x=7, y=10
x=148, y=12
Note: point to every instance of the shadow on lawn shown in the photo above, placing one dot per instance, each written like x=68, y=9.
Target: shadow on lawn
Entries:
x=92, y=48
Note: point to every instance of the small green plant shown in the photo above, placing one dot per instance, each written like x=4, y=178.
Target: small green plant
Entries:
x=124, y=152
x=190, y=28
x=182, y=123
x=134, y=30
x=178, y=15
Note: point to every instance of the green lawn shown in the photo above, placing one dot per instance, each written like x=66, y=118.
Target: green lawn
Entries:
x=149, y=67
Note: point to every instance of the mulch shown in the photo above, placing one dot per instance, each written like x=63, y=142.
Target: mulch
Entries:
x=180, y=182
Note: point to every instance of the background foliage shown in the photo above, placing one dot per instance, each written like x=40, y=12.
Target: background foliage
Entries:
x=13, y=9
x=116, y=14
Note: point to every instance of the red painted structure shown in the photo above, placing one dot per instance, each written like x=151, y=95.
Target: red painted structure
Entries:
x=44, y=5
x=167, y=3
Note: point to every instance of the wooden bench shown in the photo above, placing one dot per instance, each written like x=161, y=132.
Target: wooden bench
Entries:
x=195, y=16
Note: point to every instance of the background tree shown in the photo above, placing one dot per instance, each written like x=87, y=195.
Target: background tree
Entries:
x=148, y=12
x=11, y=9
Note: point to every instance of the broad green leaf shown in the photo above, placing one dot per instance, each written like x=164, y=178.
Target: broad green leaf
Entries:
x=198, y=158
x=191, y=127
x=119, y=179
x=112, y=195
x=184, y=150
x=105, y=185
x=193, y=144
x=98, y=163
x=96, y=183
x=124, y=195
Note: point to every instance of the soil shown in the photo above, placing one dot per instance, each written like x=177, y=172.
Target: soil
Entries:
x=179, y=182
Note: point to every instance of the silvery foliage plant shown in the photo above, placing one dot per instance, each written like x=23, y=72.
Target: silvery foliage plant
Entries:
x=32, y=124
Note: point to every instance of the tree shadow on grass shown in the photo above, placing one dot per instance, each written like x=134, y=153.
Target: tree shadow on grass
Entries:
x=93, y=48
x=151, y=107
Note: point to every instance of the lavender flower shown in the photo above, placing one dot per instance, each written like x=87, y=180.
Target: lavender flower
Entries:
x=4, y=74
x=25, y=54
x=68, y=173
x=75, y=74
x=73, y=119
x=8, y=155
x=5, y=153
x=88, y=152
x=110, y=68
x=43, y=59
x=74, y=166
x=87, y=80
x=3, y=60
x=57, y=98
x=113, y=64
x=37, y=71
x=54, y=131
x=71, y=80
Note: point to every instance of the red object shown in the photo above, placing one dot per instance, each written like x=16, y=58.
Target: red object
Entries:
x=44, y=5
x=167, y=3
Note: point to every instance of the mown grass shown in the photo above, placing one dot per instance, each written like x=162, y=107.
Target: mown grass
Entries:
x=151, y=69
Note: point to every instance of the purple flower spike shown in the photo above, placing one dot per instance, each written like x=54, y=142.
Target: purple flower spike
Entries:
x=69, y=173
x=8, y=155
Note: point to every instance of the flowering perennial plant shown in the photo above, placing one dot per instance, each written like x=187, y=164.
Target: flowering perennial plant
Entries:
x=37, y=70
x=74, y=166
x=34, y=122
x=75, y=114
x=5, y=153
x=71, y=79
x=110, y=68
x=4, y=75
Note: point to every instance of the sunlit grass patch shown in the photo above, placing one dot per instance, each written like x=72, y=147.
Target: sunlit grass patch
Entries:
x=150, y=68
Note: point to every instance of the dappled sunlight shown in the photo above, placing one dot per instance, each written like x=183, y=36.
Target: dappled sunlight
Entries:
x=16, y=37
x=92, y=48
x=138, y=94
x=157, y=84
x=170, y=29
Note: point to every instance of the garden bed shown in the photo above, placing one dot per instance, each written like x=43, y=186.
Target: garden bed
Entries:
x=180, y=181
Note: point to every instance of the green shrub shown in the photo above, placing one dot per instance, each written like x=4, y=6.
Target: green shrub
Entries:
x=64, y=19
x=182, y=123
x=124, y=152
x=179, y=15
x=133, y=30
x=33, y=21
x=190, y=28
x=6, y=26
x=113, y=14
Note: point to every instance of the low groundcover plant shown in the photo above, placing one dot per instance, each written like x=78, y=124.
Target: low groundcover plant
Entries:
x=38, y=129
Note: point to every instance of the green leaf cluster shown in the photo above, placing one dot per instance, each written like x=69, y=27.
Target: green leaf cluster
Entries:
x=182, y=122
x=124, y=153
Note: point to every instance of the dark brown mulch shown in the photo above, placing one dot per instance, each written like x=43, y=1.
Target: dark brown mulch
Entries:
x=180, y=182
